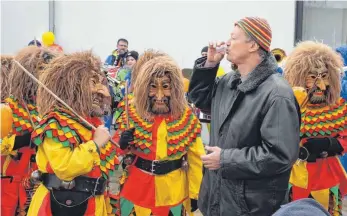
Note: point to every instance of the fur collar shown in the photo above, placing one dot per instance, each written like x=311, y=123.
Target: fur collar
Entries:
x=266, y=68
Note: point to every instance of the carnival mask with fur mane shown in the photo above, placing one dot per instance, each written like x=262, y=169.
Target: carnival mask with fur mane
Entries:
x=315, y=67
x=34, y=59
x=159, y=89
x=77, y=80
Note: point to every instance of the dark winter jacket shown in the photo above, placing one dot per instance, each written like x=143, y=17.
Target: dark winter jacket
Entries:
x=256, y=124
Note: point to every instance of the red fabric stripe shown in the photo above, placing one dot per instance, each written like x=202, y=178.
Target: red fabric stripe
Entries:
x=328, y=169
x=91, y=207
x=45, y=208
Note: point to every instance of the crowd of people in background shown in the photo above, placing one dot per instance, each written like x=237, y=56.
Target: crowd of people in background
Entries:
x=276, y=129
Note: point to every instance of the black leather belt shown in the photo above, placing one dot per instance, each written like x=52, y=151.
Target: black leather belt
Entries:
x=95, y=186
x=18, y=156
x=158, y=167
x=305, y=155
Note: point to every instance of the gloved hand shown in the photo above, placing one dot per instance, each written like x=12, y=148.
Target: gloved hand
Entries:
x=194, y=205
x=126, y=138
x=21, y=141
x=318, y=145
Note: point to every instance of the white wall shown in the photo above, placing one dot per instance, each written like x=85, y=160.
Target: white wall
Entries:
x=325, y=24
x=178, y=28
x=21, y=21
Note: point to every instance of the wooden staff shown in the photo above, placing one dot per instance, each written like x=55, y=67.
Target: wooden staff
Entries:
x=58, y=99
x=127, y=103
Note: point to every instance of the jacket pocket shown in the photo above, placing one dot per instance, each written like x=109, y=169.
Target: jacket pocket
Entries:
x=242, y=197
x=263, y=202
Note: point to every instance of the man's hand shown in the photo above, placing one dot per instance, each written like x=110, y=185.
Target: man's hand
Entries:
x=101, y=136
x=215, y=53
x=126, y=138
x=212, y=160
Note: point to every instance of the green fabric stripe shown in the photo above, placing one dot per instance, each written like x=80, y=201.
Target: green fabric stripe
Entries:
x=126, y=207
x=335, y=191
x=177, y=210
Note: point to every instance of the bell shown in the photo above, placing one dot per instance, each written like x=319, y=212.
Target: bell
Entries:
x=68, y=185
x=185, y=164
x=35, y=177
x=128, y=159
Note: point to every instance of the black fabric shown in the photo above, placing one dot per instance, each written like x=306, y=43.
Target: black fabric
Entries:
x=126, y=138
x=82, y=184
x=194, y=204
x=328, y=144
x=312, y=157
x=21, y=141
x=73, y=198
x=18, y=156
x=158, y=167
x=320, y=148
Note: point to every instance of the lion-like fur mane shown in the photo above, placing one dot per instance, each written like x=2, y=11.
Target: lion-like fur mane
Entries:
x=69, y=76
x=6, y=64
x=157, y=67
x=34, y=59
x=308, y=56
x=145, y=57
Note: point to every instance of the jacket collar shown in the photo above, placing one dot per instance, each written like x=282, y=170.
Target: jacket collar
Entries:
x=263, y=70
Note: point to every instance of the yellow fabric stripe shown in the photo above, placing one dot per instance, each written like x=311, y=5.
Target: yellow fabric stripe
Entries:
x=299, y=175
x=5, y=166
x=100, y=206
x=66, y=163
x=161, y=141
x=187, y=207
x=37, y=200
x=195, y=167
x=141, y=211
x=322, y=196
x=171, y=188
x=7, y=144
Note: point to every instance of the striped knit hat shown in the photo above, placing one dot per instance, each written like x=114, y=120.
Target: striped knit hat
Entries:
x=258, y=29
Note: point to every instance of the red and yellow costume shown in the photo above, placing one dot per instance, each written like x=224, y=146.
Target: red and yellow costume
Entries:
x=313, y=69
x=162, y=139
x=17, y=165
x=66, y=149
x=325, y=177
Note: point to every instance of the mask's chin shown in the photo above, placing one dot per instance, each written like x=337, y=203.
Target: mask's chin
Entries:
x=159, y=107
x=318, y=97
x=97, y=110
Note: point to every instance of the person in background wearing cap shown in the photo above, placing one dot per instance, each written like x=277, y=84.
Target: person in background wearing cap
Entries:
x=254, y=126
x=132, y=58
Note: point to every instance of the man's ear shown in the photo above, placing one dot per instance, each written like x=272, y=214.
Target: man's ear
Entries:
x=254, y=47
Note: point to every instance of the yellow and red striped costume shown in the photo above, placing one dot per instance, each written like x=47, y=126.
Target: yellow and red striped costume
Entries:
x=162, y=139
x=325, y=180
x=15, y=172
x=66, y=148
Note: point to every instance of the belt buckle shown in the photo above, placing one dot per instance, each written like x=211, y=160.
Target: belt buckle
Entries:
x=324, y=154
x=96, y=185
x=68, y=185
x=153, y=166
